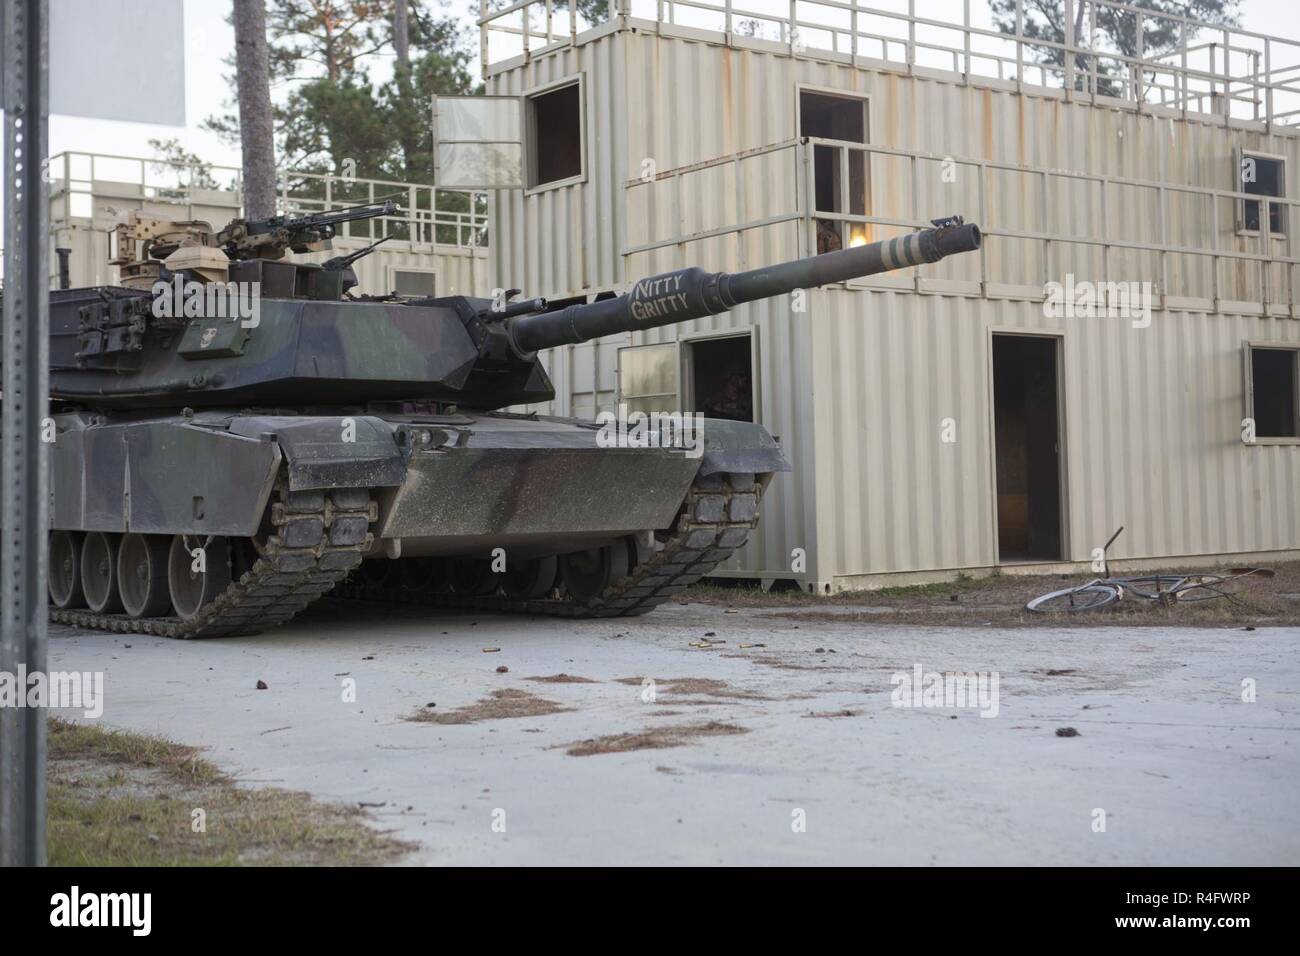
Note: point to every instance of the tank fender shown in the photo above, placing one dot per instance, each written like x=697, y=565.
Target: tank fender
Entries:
x=161, y=476
x=331, y=451
x=739, y=447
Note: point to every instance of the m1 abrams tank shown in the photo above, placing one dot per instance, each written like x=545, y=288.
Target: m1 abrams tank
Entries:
x=235, y=435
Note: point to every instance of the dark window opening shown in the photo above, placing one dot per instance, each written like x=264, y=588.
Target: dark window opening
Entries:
x=1273, y=380
x=1027, y=446
x=826, y=116
x=722, y=377
x=1262, y=176
x=555, y=135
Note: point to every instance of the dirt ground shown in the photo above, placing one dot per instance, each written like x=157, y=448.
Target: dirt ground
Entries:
x=704, y=734
x=999, y=600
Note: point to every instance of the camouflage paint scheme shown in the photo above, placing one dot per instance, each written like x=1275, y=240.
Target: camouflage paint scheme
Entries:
x=448, y=479
x=532, y=484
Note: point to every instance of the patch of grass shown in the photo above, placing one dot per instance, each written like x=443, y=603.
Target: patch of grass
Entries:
x=963, y=582
x=743, y=596
x=499, y=705
x=69, y=741
x=561, y=679
x=654, y=738
x=700, y=686
x=123, y=799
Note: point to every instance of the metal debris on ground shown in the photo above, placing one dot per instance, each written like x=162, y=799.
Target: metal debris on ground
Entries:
x=1164, y=589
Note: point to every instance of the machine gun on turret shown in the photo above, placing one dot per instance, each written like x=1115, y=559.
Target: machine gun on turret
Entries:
x=343, y=264
x=271, y=238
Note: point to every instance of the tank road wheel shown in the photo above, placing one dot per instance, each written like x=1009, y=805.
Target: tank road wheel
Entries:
x=65, y=570
x=142, y=575
x=417, y=574
x=99, y=572
x=587, y=573
x=472, y=576
x=191, y=589
x=243, y=555
x=377, y=573
x=530, y=580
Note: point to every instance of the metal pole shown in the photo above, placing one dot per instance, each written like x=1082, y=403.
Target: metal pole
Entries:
x=1068, y=60
x=24, y=459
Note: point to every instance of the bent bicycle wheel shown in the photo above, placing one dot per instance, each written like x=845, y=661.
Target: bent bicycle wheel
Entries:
x=1200, y=587
x=1164, y=587
x=1088, y=597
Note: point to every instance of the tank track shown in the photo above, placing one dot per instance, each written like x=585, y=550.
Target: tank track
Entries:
x=715, y=519
x=318, y=539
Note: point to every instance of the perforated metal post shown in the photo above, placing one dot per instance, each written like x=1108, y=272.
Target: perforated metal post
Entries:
x=24, y=460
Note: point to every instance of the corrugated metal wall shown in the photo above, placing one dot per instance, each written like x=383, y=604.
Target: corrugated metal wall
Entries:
x=1152, y=433
x=856, y=388
x=659, y=103
x=567, y=239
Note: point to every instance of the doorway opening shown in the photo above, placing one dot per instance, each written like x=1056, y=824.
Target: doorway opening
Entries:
x=1027, y=447
x=721, y=379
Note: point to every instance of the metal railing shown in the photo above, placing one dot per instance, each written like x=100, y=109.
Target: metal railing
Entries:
x=527, y=27
x=1211, y=244
x=1211, y=69
x=427, y=215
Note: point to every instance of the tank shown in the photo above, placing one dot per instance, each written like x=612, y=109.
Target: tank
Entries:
x=236, y=435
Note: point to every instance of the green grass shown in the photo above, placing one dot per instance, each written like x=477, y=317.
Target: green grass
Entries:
x=124, y=799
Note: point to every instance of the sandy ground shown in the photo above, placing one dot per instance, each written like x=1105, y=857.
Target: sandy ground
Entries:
x=787, y=753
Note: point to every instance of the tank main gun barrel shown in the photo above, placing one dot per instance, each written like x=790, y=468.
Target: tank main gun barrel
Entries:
x=693, y=293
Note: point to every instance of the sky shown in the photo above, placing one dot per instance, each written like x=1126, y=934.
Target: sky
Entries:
x=209, y=39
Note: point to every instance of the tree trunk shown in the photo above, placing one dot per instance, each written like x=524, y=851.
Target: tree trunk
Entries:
x=253, y=76
x=401, y=33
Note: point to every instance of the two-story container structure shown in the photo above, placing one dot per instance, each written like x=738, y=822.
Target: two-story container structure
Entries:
x=1122, y=351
